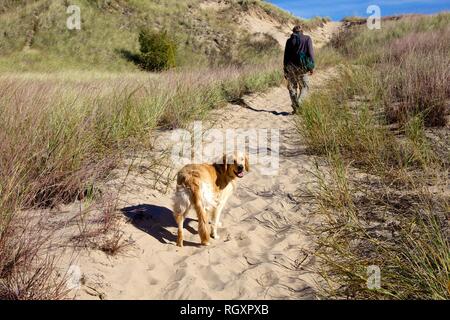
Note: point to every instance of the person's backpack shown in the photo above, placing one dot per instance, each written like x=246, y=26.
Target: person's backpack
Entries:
x=305, y=62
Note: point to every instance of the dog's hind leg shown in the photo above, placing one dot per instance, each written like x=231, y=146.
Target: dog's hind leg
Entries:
x=202, y=217
x=179, y=218
x=180, y=209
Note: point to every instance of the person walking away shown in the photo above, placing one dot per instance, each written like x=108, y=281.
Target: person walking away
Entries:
x=298, y=63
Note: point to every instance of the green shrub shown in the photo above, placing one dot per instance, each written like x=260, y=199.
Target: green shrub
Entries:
x=157, y=50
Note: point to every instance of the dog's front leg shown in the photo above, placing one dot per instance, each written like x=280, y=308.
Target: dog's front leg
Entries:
x=216, y=221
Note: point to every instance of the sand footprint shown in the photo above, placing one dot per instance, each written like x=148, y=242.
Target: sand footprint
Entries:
x=243, y=240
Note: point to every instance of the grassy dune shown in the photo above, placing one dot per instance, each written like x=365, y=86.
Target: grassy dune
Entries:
x=34, y=35
x=36, y=38
x=382, y=126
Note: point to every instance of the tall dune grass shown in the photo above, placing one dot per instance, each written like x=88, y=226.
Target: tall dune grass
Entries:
x=417, y=76
x=384, y=198
x=410, y=57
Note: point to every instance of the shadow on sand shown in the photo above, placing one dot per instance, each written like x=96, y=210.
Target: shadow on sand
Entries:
x=244, y=104
x=155, y=220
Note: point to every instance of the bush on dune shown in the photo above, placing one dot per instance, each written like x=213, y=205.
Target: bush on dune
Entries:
x=157, y=50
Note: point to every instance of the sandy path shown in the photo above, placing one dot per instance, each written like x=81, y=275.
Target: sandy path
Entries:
x=264, y=251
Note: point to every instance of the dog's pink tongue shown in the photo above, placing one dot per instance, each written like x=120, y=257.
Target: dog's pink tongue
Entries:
x=240, y=175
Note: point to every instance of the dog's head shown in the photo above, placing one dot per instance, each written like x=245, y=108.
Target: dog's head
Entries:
x=234, y=165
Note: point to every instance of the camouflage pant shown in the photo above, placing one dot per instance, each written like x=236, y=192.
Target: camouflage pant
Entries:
x=298, y=86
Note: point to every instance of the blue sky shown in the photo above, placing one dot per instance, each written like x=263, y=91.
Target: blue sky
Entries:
x=337, y=9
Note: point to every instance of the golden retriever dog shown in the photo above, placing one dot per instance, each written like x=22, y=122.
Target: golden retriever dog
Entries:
x=206, y=188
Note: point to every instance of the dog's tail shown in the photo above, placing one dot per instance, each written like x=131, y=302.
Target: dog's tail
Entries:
x=183, y=194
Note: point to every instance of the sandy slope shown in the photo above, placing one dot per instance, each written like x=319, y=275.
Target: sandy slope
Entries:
x=322, y=36
x=264, y=251
x=257, y=24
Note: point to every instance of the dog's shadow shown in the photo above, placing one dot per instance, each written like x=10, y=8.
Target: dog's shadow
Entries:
x=155, y=220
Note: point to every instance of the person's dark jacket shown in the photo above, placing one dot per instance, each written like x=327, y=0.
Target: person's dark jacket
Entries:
x=298, y=42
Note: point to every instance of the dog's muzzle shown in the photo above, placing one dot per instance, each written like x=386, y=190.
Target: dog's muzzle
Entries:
x=240, y=171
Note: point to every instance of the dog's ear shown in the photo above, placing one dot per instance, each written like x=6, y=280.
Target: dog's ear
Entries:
x=246, y=163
